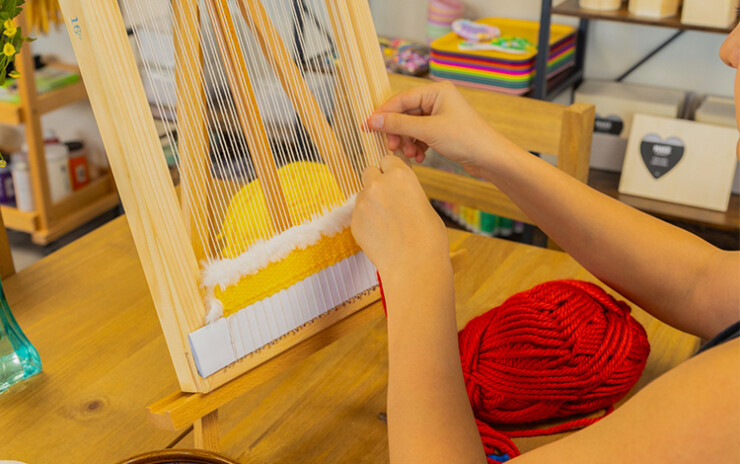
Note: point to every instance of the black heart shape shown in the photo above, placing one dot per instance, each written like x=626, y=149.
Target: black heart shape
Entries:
x=661, y=156
x=611, y=124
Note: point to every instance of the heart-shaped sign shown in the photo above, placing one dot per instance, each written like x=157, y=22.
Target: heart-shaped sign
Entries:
x=661, y=156
x=611, y=124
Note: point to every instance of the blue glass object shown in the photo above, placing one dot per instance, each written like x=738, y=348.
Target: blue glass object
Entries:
x=19, y=360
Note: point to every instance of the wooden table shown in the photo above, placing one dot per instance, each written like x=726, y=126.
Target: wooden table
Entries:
x=88, y=311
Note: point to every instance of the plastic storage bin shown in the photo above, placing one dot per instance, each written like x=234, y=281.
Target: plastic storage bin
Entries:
x=655, y=8
x=57, y=167
x=616, y=104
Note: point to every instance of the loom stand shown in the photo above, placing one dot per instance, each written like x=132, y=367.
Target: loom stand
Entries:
x=180, y=410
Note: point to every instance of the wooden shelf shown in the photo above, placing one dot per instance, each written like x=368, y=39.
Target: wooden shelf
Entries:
x=49, y=220
x=66, y=215
x=10, y=113
x=608, y=183
x=571, y=8
x=19, y=220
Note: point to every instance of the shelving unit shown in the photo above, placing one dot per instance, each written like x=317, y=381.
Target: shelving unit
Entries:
x=49, y=221
x=549, y=91
x=608, y=183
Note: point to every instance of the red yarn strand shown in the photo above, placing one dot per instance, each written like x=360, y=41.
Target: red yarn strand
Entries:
x=560, y=350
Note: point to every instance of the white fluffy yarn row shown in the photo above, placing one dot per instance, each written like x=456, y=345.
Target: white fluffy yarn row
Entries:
x=226, y=272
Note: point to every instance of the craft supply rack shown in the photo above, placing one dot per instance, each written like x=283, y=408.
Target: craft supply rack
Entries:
x=49, y=221
x=545, y=90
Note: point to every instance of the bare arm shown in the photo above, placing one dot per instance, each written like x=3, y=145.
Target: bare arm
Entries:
x=679, y=278
x=429, y=417
x=689, y=415
x=674, y=275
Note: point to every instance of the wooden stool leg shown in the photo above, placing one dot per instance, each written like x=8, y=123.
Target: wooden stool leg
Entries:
x=205, y=431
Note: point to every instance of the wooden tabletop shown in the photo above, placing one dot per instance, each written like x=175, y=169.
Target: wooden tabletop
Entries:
x=87, y=310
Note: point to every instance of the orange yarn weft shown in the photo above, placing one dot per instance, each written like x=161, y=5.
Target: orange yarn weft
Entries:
x=559, y=350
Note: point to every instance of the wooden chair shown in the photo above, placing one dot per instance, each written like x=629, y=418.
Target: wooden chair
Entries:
x=6, y=259
x=179, y=457
x=537, y=126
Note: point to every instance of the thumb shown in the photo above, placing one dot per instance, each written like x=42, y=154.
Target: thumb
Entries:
x=418, y=127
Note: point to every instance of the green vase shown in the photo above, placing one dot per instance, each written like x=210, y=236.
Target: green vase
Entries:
x=19, y=360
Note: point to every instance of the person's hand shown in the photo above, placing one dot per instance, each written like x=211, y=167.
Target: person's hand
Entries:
x=394, y=223
x=436, y=116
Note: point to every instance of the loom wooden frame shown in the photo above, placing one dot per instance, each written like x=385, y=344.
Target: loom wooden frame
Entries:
x=535, y=125
x=162, y=234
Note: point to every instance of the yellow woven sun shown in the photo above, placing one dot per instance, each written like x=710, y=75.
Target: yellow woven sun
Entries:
x=310, y=190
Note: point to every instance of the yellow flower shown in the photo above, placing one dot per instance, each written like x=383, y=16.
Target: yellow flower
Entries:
x=14, y=74
x=9, y=49
x=10, y=29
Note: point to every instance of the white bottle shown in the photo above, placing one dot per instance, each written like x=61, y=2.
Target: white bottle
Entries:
x=57, y=168
x=21, y=182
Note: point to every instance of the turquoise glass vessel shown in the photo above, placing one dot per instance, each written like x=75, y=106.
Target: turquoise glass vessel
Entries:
x=19, y=360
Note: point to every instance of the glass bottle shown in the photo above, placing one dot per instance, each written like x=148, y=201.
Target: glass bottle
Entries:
x=19, y=360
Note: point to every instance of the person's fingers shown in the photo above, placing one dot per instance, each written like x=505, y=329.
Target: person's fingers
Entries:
x=419, y=99
x=389, y=163
x=422, y=146
x=421, y=155
x=409, y=147
x=394, y=142
x=369, y=175
x=418, y=127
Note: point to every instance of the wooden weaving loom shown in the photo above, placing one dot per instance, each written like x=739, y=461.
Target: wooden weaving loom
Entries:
x=260, y=104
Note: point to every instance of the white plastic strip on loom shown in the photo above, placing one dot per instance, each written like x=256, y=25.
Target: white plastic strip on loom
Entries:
x=217, y=345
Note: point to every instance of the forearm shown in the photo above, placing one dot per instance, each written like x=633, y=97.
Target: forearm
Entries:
x=656, y=265
x=429, y=415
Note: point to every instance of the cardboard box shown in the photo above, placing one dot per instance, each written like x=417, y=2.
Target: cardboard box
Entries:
x=654, y=8
x=616, y=104
x=607, y=152
x=603, y=5
x=712, y=13
x=680, y=161
x=720, y=111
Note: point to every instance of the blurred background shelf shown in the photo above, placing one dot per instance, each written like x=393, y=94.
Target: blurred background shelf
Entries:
x=544, y=90
x=571, y=8
x=50, y=220
x=719, y=228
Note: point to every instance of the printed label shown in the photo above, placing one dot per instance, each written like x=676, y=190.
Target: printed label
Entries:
x=611, y=124
x=661, y=156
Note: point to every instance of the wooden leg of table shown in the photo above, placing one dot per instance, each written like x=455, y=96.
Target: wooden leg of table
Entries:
x=205, y=432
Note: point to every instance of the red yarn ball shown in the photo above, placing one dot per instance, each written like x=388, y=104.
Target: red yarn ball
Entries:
x=561, y=349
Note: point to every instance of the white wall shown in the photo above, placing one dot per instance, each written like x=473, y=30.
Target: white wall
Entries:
x=690, y=63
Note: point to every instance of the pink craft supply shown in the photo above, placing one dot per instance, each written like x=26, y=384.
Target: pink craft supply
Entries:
x=442, y=17
x=445, y=14
x=445, y=22
x=440, y=24
x=448, y=6
x=475, y=31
